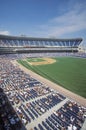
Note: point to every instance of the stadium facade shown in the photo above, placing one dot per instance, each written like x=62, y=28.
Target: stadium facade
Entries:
x=22, y=44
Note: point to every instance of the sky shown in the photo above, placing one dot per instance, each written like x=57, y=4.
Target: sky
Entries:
x=44, y=18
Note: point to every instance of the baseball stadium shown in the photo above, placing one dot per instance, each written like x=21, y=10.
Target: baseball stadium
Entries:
x=42, y=83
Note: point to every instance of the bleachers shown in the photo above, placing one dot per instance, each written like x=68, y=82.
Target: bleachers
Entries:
x=70, y=116
x=34, y=101
x=9, y=120
x=38, y=43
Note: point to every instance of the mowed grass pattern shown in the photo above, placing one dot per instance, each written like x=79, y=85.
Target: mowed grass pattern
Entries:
x=67, y=72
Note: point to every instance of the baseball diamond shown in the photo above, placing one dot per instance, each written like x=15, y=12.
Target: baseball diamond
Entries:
x=58, y=70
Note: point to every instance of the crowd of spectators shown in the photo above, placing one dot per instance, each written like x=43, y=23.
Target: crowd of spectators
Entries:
x=55, y=54
x=31, y=99
x=70, y=116
x=9, y=120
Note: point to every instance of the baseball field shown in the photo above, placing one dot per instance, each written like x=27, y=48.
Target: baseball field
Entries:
x=68, y=72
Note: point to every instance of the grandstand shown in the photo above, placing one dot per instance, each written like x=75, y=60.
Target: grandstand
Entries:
x=36, y=105
x=15, y=44
x=30, y=102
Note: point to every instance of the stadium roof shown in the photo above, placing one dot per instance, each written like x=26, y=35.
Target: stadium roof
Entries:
x=34, y=38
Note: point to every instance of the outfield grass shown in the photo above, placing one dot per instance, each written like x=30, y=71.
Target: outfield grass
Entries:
x=68, y=72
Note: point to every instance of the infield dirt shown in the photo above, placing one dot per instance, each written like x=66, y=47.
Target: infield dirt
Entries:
x=46, y=61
